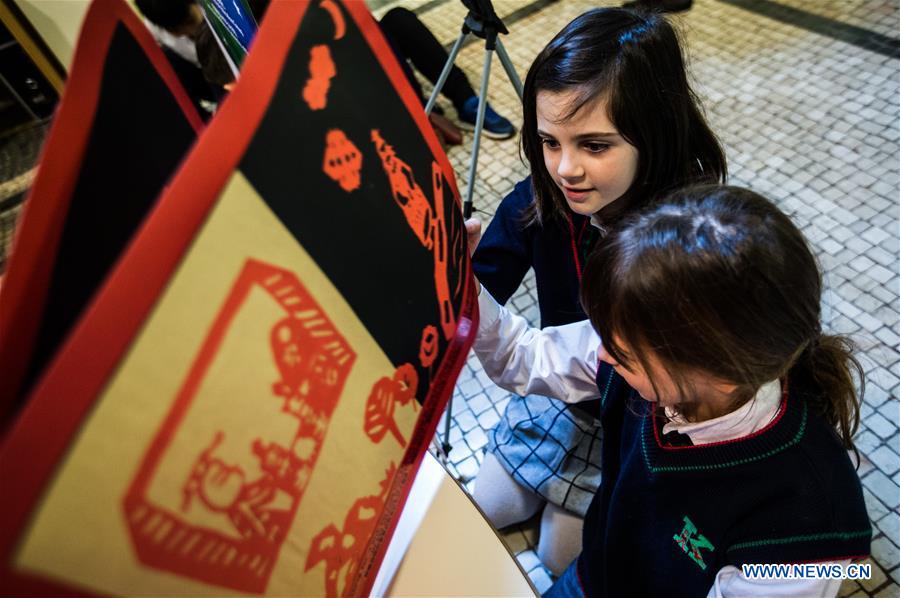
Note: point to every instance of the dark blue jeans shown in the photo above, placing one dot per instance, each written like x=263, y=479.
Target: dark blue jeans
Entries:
x=567, y=586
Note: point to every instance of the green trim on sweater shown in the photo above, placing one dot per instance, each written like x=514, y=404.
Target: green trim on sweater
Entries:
x=806, y=538
x=712, y=466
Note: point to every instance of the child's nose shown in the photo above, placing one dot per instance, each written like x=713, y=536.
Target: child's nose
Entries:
x=569, y=167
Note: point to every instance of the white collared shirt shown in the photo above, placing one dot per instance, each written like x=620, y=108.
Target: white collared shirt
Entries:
x=561, y=362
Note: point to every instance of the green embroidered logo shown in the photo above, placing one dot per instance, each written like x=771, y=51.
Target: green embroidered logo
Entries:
x=692, y=545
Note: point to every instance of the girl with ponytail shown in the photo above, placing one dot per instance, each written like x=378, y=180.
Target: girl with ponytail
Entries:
x=726, y=410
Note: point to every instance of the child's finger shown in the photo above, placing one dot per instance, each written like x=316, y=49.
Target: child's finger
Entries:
x=473, y=233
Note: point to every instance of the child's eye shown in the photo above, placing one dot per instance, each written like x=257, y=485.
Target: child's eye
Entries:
x=596, y=147
x=550, y=143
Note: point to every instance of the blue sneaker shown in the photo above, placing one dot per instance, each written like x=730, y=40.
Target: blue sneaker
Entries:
x=495, y=126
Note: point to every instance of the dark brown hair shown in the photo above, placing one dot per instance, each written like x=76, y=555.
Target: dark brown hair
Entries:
x=718, y=280
x=168, y=14
x=634, y=62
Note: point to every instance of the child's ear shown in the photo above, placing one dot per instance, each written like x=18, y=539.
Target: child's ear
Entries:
x=725, y=388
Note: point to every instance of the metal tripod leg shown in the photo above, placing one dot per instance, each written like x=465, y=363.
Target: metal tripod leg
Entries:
x=479, y=125
x=508, y=67
x=491, y=43
x=470, y=190
x=446, y=72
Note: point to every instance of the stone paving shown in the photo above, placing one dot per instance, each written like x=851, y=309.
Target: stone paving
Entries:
x=805, y=96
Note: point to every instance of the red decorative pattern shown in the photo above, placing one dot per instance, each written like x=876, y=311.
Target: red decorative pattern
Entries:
x=428, y=224
x=321, y=72
x=407, y=193
x=340, y=549
x=428, y=347
x=234, y=518
x=340, y=27
x=386, y=394
x=441, y=255
x=30, y=456
x=343, y=161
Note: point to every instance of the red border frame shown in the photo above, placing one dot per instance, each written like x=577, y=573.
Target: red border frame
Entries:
x=467, y=322
x=43, y=217
x=118, y=310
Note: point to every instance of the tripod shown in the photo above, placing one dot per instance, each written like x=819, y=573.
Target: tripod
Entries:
x=481, y=21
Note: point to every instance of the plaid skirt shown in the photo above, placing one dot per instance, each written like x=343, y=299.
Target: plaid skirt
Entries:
x=551, y=449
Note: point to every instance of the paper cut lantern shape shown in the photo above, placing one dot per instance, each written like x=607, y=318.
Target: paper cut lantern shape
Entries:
x=343, y=161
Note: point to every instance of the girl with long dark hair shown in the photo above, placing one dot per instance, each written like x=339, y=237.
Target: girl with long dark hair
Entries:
x=610, y=123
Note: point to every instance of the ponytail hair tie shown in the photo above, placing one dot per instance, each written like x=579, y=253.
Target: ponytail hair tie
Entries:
x=813, y=344
x=815, y=340
x=804, y=353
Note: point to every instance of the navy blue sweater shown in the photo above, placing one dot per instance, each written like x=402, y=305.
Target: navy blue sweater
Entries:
x=668, y=517
x=508, y=249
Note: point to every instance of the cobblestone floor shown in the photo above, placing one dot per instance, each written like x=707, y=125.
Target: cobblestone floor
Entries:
x=805, y=96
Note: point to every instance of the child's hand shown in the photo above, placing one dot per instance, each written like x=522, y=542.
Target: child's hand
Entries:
x=473, y=235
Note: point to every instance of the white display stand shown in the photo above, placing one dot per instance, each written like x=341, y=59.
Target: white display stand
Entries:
x=443, y=546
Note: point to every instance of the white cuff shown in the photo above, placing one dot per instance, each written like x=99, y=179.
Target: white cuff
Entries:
x=488, y=311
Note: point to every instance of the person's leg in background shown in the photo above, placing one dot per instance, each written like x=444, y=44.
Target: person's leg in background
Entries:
x=447, y=132
x=419, y=45
x=397, y=47
x=416, y=42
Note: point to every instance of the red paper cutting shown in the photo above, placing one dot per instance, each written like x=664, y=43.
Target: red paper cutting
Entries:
x=321, y=72
x=340, y=27
x=383, y=400
x=428, y=224
x=407, y=193
x=428, y=348
x=343, y=161
x=340, y=549
x=313, y=360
